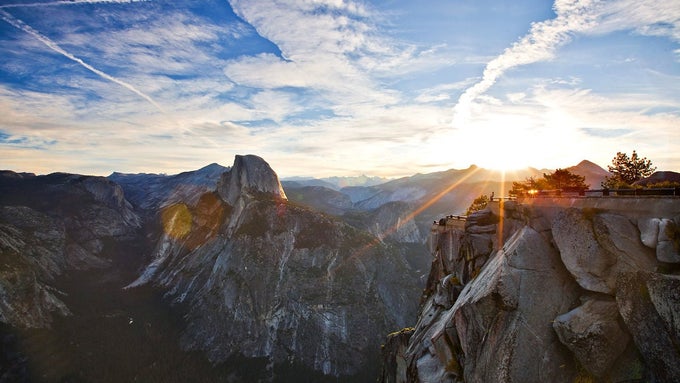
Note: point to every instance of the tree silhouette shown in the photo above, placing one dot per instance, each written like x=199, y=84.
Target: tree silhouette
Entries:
x=563, y=178
x=478, y=204
x=560, y=179
x=627, y=170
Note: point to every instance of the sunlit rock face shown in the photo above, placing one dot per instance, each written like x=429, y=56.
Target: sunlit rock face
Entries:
x=49, y=225
x=263, y=278
x=250, y=174
x=548, y=292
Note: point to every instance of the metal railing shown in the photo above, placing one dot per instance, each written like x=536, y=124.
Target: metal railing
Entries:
x=571, y=192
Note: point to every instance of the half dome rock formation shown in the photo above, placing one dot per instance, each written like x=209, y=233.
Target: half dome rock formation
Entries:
x=260, y=277
x=249, y=174
x=558, y=290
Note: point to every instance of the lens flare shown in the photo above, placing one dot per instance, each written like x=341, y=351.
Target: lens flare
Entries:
x=176, y=220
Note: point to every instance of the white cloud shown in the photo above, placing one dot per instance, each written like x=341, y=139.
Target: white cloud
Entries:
x=651, y=17
x=648, y=17
x=538, y=45
x=324, y=46
x=516, y=97
x=555, y=127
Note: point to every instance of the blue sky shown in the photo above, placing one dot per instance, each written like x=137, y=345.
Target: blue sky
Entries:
x=337, y=87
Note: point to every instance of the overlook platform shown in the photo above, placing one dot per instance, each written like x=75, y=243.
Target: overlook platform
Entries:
x=634, y=206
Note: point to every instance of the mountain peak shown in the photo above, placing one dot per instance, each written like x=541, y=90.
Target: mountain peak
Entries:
x=585, y=164
x=249, y=173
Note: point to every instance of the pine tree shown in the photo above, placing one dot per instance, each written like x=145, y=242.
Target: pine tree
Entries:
x=627, y=170
x=478, y=204
x=560, y=179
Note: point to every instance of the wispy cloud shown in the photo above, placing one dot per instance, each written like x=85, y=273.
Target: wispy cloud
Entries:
x=647, y=17
x=650, y=17
x=69, y=2
x=55, y=47
x=325, y=45
x=538, y=45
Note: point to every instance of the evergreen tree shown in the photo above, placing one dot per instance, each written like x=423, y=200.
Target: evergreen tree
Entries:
x=627, y=170
x=563, y=178
x=560, y=179
x=478, y=204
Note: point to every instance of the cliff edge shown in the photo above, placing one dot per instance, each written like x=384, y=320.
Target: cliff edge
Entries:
x=550, y=290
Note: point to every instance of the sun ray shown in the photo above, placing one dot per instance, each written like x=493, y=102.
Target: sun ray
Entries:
x=406, y=219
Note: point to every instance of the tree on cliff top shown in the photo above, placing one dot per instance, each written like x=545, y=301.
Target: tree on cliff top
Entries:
x=563, y=178
x=626, y=170
x=478, y=204
x=560, y=179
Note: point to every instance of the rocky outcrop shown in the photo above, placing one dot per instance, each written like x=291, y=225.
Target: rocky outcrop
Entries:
x=150, y=192
x=594, y=333
x=598, y=248
x=249, y=174
x=503, y=317
x=263, y=278
x=663, y=235
x=649, y=304
x=32, y=250
x=49, y=225
x=394, y=351
x=547, y=292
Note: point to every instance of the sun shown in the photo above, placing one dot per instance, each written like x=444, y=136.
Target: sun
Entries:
x=495, y=148
x=503, y=160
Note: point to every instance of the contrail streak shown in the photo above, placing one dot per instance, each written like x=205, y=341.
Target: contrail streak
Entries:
x=538, y=45
x=55, y=47
x=69, y=2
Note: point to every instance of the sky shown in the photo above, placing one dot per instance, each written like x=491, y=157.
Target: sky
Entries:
x=337, y=87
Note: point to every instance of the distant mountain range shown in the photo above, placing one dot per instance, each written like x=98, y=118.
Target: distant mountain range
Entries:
x=425, y=197
x=336, y=183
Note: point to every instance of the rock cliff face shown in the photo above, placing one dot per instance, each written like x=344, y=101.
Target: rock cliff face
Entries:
x=49, y=225
x=149, y=192
x=565, y=290
x=260, y=277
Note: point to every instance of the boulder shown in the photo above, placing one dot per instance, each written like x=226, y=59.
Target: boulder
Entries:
x=582, y=255
x=649, y=231
x=648, y=304
x=596, y=248
x=503, y=317
x=668, y=246
x=594, y=334
x=664, y=292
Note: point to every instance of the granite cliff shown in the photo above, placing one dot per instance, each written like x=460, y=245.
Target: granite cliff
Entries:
x=557, y=290
x=215, y=261
x=261, y=277
x=50, y=225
